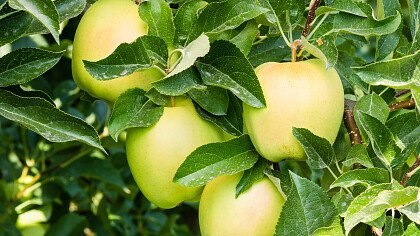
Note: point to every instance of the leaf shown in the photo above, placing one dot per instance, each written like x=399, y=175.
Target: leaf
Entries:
x=158, y=98
x=225, y=66
x=68, y=225
x=280, y=10
x=412, y=230
x=44, y=11
x=23, y=65
x=245, y=38
x=412, y=210
x=373, y=105
x=158, y=16
x=335, y=230
x=397, y=73
x=45, y=119
x=326, y=51
x=342, y=201
x=143, y=53
x=185, y=18
x=221, y=16
x=318, y=150
x=212, y=99
x=13, y=27
x=370, y=208
x=408, y=145
x=251, y=176
x=358, y=154
x=369, y=176
x=403, y=124
x=197, y=48
x=340, y=6
x=271, y=49
x=180, y=83
x=133, y=109
x=387, y=44
x=212, y=160
x=393, y=227
x=381, y=138
x=232, y=122
x=307, y=209
x=349, y=23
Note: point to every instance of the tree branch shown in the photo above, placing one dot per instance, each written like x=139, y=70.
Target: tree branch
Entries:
x=311, y=16
x=402, y=92
x=410, y=172
x=350, y=123
x=408, y=104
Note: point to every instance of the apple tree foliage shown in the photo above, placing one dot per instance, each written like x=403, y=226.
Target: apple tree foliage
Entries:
x=63, y=169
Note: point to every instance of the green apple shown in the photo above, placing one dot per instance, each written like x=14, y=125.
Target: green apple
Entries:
x=254, y=212
x=155, y=153
x=104, y=26
x=298, y=94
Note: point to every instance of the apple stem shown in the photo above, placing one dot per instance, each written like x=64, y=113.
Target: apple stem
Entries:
x=295, y=45
x=172, y=101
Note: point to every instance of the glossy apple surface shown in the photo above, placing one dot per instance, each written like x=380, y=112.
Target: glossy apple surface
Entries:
x=155, y=153
x=254, y=212
x=104, y=26
x=298, y=94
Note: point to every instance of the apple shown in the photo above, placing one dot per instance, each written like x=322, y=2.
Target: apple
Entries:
x=104, y=26
x=254, y=212
x=298, y=94
x=155, y=153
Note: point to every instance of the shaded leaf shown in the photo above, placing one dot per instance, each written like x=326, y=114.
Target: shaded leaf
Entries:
x=393, y=227
x=158, y=98
x=185, y=18
x=271, y=49
x=358, y=154
x=68, y=225
x=369, y=176
x=246, y=37
x=180, y=83
x=251, y=176
x=212, y=99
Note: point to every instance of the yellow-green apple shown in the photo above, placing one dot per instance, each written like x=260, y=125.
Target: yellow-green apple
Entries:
x=254, y=212
x=298, y=94
x=155, y=153
x=104, y=26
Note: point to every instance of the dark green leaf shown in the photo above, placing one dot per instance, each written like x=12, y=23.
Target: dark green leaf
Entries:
x=324, y=50
x=180, y=83
x=45, y=119
x=212, y=99
x=246, y=37
x=342, y=201
x=23, y=65
x=408, y=144
x=27, y=92
x=387, y=44
x=158, y=16
x=42, y=10
x=128, y=58
x=68, y=225
x=185, y=18
x=373, y=105
x=358, y=154
x=369, y=176
x=269, y=50
x=251, y=176
x=281, y=10
x=402, y=124
x=307, y=208
x=212, y=160
x=397, y=73
x=133, y=109
x=318, y=150
x=225, y=66
x=393, y=227
x=13, y=27
x=158, y=98
x=340, y=6
x=281, y=180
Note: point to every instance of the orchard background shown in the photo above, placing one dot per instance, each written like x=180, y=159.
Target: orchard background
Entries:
x=63, y=164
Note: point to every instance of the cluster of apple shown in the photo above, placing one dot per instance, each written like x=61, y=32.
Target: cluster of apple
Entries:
x=298, y=94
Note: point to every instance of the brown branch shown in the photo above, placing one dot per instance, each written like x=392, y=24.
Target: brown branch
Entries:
x=408, y=104
x=402, y=92
x=408, y=174
x=310, y=18
x=350, y=123
x=138, y=2
x=276, y=166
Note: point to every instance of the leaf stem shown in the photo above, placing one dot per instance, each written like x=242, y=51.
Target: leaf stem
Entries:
x=317, y=26
x=282, y=33
x=335, y=177
x=410, y=172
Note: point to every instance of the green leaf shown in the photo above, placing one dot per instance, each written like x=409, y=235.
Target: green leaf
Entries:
x=381, y=138
x=42, y=10
x=23, y=65
x=281, y=180
x=133, y=109
x=221, y=16
x=180, y=83
x=232, y=122
x=185, y=18
x=158, y=16
x=416, y=95
x=212, y=99
x=335, y=230
x=387, y=44
x=197, y=48
x=369, y=176
x=358, y=154
x=373, y=105
x=129, y=57
x=318, y=150
x=397, y=73
x=412, y=230
x=412, y=211
x=307, y=209
x=271, y=49
x=251, y=176
x=225, y=66
x=45, y=119
x=408, y=145
x=13, y=27
x=68, y=225
x=245, y=38
x=342, y=201
x=281, y=10
x=349, y=23
x=158, y=98
x=211, y=160
x=402, y=124
x=371, y=207
x=327, y=51
x=393, y=227
x=340, y=6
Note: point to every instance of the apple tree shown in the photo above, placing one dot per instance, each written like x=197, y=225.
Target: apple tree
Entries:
x=209, y=117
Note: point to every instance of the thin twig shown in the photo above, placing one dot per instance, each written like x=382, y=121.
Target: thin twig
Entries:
x=402, y=92
x=410, y=172
x=350, y=123
x=408, y=104
x=310, y=18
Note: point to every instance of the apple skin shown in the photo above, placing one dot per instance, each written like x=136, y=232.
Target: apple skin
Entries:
x=298, y=94
x=104, y=26
x=254, y=212
x=155, y=153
